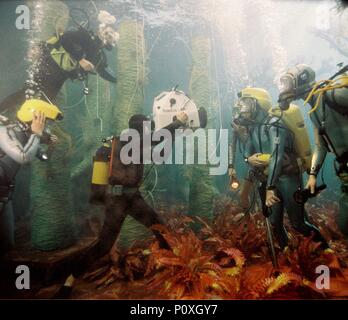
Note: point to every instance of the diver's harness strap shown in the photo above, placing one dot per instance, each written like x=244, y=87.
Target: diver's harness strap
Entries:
x=342, y=159
x=290, y=167
x=322, y=130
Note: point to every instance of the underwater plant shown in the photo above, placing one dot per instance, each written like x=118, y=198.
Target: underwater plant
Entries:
x=197, y=275
x=95, y=124
x=209, y=266
x=201, y=190
x=51, y=201
x=131, y=70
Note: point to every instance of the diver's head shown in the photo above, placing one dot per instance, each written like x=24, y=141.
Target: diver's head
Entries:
x=108, y=36
x=252, y=103
x=141, y=123
x=295, y=84
x=106, y=33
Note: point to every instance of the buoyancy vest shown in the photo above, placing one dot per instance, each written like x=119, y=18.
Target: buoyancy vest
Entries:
x=64, y=60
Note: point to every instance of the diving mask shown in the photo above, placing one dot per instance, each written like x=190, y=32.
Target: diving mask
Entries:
x=287, y=91
x=108, y=36
x=295, y=84
x=287, y=85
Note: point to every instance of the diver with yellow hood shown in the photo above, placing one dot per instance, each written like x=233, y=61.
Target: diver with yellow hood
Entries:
x=19, y=144
x=275, y=159
x=328, y=100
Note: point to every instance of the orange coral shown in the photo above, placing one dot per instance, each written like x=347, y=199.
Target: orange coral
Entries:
x=228, y=259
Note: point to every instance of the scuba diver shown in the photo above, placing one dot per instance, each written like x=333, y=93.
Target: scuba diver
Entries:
x=329, y=110
x=19, y=144
x=72, y=54
x=116, y=185
x=275, y=161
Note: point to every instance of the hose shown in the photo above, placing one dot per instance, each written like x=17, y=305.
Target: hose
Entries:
x=328, y=86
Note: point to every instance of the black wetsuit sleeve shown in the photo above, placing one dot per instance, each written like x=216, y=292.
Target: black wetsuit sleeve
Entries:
x=171, y=128
x=167, y=142
x=77, y=43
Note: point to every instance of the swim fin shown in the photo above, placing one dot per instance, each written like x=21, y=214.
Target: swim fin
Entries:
x=107, y=76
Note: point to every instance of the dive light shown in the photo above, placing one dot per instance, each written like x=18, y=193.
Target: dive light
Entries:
x=302, y=196
x=234, y=183
x=42, y=155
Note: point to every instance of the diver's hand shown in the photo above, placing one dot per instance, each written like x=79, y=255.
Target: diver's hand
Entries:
x=53, y=139
x=312, y=183
x=182, y=117
x=271, y=198
x=255, y=161
x=38, y=124
x=86, y=65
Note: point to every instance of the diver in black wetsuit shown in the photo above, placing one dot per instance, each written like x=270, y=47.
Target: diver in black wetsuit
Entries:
x=121, y=197
x=73, y=55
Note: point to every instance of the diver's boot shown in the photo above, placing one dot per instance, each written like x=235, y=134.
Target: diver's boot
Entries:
x=65, y=291
x=161, y=240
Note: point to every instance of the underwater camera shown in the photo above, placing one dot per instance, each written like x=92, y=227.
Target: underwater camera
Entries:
x=169, y=103
x=302, y=196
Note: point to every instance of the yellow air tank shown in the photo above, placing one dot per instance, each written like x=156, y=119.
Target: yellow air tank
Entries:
x=100, y=176
x=294, y=121
x=101, y=166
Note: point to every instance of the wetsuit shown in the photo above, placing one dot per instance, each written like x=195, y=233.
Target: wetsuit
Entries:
x=121, y=200
x=331, y=135
x=269, y=135
x=17, y=147
x=48, y=76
